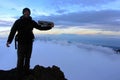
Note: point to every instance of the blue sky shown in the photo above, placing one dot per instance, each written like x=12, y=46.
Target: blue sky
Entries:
x=69, y=16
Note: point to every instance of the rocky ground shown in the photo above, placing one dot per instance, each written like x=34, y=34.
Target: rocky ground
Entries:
x=37, y=73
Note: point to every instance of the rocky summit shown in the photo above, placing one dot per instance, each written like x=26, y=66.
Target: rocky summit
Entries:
x=37, y=73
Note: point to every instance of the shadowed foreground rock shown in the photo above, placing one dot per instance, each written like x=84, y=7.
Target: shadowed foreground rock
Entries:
x=38, y=73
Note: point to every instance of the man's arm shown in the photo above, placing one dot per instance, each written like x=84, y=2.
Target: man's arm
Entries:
x=40, y=27
x=12, y=33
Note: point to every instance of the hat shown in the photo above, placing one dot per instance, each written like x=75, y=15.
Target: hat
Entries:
x=26, y=9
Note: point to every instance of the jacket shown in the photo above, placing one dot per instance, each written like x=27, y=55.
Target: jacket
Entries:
x=24, y=28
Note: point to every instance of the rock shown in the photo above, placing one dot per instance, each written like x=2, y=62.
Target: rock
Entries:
x=37, y=73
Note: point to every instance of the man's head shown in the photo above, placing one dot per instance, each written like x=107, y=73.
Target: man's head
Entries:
x=26, y=12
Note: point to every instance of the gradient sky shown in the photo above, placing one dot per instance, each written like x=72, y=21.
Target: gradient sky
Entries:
x=69, y=16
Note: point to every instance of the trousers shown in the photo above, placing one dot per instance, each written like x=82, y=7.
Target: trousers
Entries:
x=24, y=52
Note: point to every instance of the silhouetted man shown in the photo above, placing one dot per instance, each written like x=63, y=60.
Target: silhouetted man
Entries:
x=24, y=28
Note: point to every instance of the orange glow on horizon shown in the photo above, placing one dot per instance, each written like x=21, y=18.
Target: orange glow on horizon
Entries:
x=76, y=30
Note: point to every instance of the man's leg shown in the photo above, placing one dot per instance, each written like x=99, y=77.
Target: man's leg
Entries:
x=27, y=57
x=20, y=62
x=20, y=57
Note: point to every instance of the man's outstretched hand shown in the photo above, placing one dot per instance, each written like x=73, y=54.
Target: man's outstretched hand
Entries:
x=46, y=23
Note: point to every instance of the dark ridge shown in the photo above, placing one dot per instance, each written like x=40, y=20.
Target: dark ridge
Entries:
x=117, y=51
x=37, y=73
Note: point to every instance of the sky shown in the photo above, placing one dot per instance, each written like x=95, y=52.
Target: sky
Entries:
x=101, y=17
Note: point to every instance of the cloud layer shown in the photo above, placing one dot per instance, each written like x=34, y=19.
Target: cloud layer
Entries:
x=104, y=19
